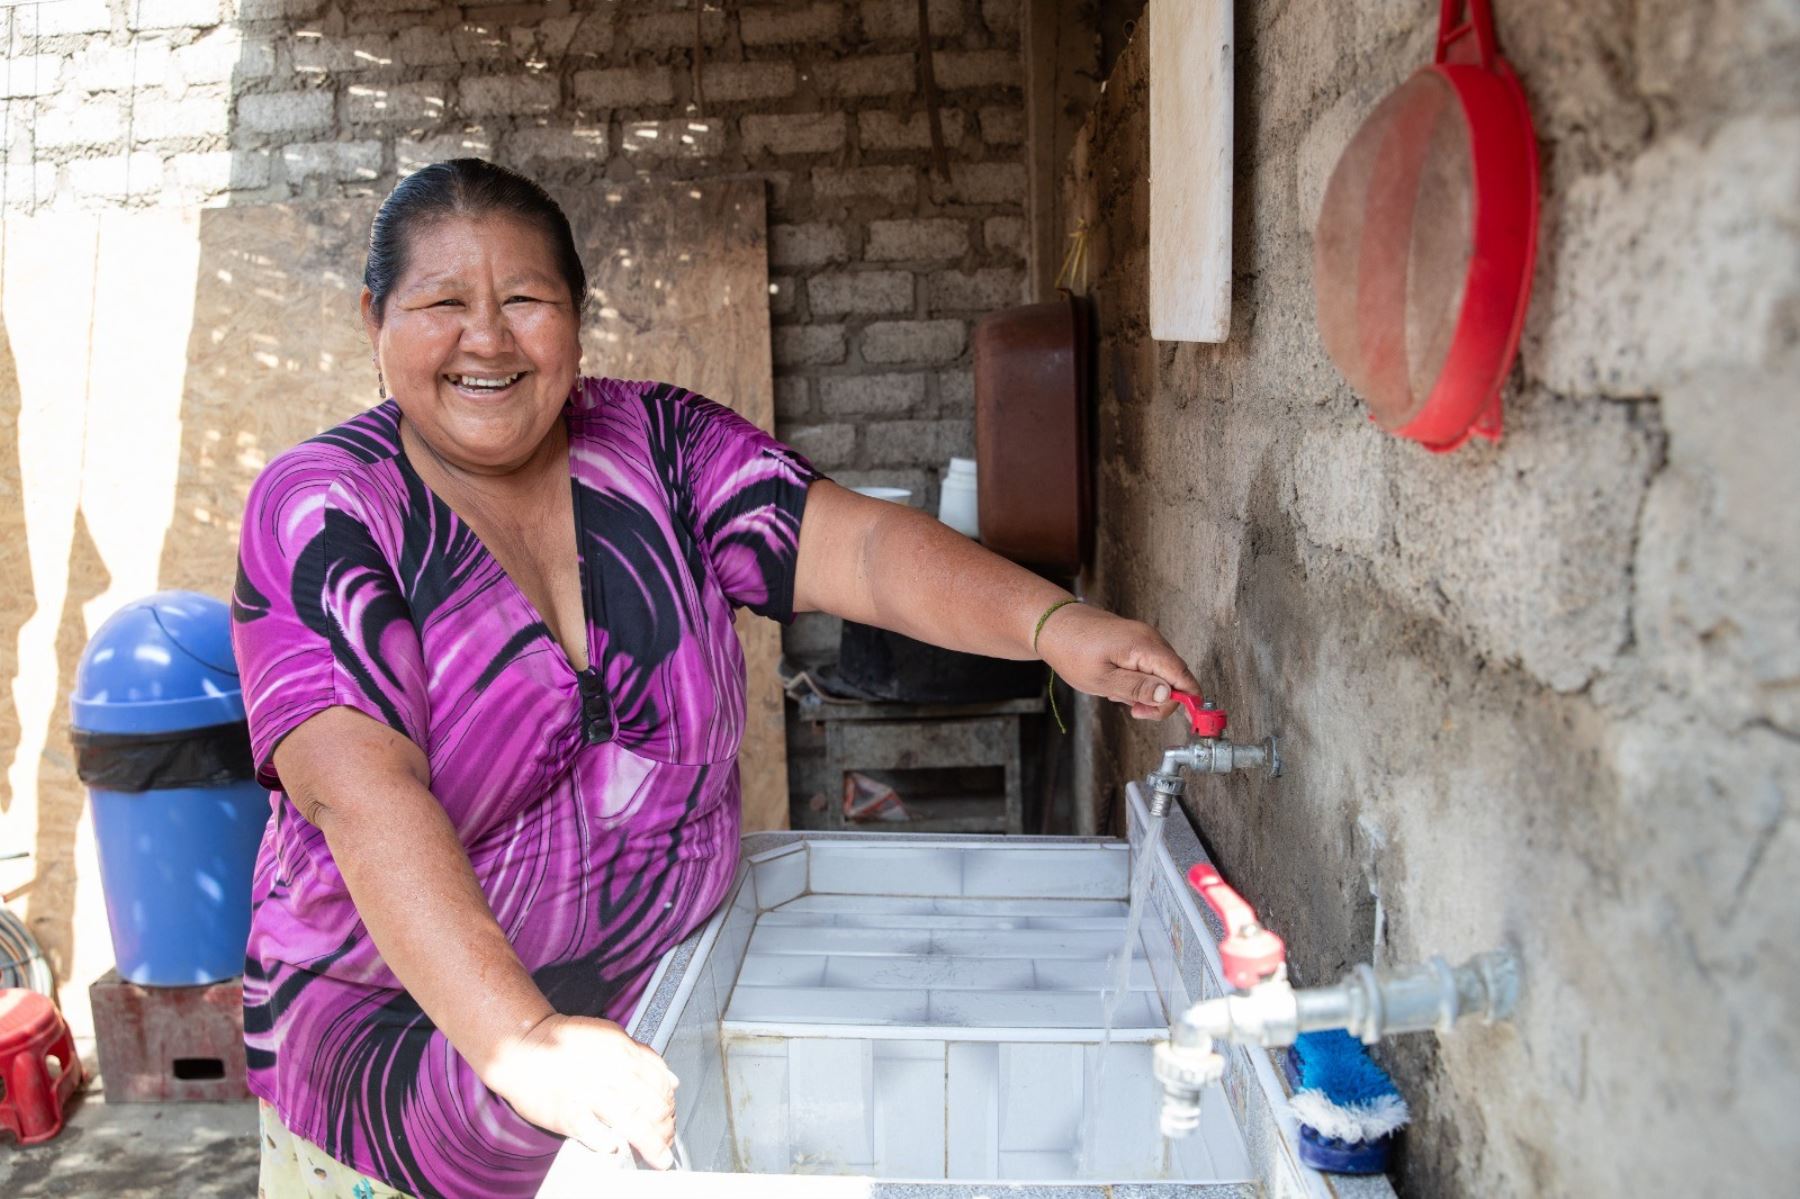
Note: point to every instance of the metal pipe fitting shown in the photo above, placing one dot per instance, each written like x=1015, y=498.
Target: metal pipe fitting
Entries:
x=1369, y=1005
x=1185, y=1070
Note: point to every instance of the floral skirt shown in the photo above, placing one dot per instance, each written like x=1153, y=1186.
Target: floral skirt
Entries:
x=293, y=1168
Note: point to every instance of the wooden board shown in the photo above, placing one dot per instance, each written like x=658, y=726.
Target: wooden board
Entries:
x=1190, y=169
x=678, y=279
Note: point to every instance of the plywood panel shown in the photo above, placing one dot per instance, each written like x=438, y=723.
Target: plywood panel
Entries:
x=152, y=362
x=678, y=291
x=1190, y=169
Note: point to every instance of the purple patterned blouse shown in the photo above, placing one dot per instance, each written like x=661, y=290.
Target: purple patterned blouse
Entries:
x=599, y=808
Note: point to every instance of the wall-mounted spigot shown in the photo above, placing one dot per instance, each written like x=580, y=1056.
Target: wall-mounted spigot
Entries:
x=1267, y=1010
x=1205, y=753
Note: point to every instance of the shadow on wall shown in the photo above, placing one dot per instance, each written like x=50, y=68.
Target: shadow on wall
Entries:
x=17, y=599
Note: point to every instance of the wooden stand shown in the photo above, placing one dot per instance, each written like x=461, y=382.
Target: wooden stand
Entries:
x=169, y=1044
x=895, y=736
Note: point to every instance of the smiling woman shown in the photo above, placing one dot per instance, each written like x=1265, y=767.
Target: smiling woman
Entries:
x=485, y=632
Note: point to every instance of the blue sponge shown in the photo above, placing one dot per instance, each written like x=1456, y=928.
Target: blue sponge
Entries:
x=1348, y=1107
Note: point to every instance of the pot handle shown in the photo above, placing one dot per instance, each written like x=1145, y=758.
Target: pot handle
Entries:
x=1453, y=27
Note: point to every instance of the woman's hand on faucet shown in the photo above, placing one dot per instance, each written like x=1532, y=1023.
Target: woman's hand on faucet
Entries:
x=1126, y=661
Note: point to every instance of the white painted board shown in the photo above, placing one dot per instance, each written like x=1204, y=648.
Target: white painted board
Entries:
x=1190, y=169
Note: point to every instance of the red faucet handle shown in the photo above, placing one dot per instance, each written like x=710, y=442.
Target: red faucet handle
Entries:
x=1207, y=721
x=1249, y=952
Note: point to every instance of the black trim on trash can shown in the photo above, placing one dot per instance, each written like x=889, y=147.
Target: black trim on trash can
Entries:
x=206, y=757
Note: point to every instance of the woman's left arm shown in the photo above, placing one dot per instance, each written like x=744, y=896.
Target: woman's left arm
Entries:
x=892, y=566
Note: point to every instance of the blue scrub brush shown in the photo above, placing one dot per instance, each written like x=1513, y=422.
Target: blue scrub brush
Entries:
x=1348, y=1108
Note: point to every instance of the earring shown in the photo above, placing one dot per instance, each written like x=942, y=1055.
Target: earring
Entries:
x=380, y=383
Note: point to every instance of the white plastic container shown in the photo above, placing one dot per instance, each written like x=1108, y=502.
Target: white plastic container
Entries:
x=956, y=498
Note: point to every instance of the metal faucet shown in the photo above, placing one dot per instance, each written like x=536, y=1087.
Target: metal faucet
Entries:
x=1205, y=753
x=1265, y=1009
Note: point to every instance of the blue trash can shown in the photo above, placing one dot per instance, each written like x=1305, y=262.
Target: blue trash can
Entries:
x=161, y=743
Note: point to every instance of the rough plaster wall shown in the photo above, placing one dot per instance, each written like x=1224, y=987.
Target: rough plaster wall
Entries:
x=878, y=267
x=1546, y=693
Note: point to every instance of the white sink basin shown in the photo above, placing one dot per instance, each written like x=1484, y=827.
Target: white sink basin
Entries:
x=877, y=1015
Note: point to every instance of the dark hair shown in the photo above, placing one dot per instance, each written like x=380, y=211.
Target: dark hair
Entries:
x=464, y=187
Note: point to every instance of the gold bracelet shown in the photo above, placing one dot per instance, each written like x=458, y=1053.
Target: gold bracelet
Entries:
x=1050, y=687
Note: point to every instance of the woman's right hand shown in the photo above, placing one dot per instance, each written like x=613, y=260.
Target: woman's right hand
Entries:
x=588, y=1080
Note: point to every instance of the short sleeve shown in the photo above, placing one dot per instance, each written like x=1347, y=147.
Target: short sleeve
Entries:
x=318, y=617
x=744, y=495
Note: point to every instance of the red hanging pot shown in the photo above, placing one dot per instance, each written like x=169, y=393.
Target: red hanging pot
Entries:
x=1423, y=254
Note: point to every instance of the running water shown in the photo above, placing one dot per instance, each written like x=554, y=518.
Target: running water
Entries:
x=1119, y=965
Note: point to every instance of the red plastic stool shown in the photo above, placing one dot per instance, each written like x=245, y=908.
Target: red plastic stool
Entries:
x=32, y=1093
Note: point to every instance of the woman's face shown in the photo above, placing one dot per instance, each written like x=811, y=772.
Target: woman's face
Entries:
x=479, y=342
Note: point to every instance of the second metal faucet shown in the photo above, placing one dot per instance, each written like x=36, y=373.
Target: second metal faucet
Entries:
x=1207, y=752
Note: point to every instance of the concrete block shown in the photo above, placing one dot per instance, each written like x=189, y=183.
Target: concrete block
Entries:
x=784, y=294
x=169, y=1044
x=343, y=54
x=793, y=398
x=961, y=70
x=825, y=446
x=69, y=123
x=982, y=290
x=956, y=394
x=919, y=442
x=881, y=130
x=424, y=46
x=914, y=343
x=286, y=112
x=868, y=75
x=481, y=42
x=508, y=95
x=31, y=75
x=534, y=143
x=269, y=10
x=883, y=19
x=422, y=103
x=337, y=162
x=842, y=293
x=624, y=87
x=1680, y=46
x=795, y=133
x=808, y=345
x=157, y=116
x=1684, y=260
x=1002, y=126
x=982, y=183
x=916, y=241
x=118, y=176
x=732, y=82
x=674, y=30
x=411, y=153
x=72, y=16
x=1556, y=505
x=29, y=185
x=173, y=14
x=807, y=245
x=223, y=56
x=1717, y=582
x=1004, y=235
x=683, y=138
x=895, y=184
x=1340, y=484
x=872, y=395
x=1001, y=16
x=822, y=22
x=209, y=172
x=104, y=66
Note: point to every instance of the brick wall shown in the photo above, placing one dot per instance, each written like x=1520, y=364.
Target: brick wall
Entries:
x=877, y=267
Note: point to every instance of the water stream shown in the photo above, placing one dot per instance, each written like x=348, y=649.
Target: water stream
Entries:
x=1094, y=1082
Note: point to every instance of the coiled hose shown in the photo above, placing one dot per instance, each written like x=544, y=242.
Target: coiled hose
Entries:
x=22, y=962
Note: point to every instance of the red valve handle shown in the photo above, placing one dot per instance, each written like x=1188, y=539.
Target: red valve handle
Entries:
x=1206, y=722
x=1250, y=953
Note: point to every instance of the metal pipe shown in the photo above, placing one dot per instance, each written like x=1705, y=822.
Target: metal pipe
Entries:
x=1431, y=995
